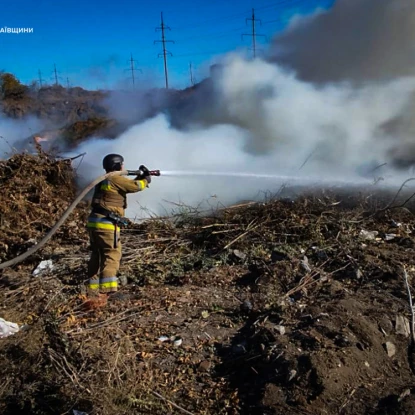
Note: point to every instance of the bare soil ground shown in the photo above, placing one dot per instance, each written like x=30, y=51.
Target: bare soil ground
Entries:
x=283, y=307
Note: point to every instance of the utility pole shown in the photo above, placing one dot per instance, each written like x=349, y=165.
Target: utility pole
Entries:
x=40, y=78
x=163, y=40
x=192, y=81
x=253, y=34
x=67, y=83
x=56, y=74
x=56, y=77
x=132, y=69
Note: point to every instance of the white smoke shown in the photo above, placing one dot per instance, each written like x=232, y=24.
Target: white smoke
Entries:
x=272, y=123
x=342, y=125
x=156, y=145
x=331, y=102
x=13, y=131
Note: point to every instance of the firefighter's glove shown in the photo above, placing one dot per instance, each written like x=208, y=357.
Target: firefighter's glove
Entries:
x=145, y=170
x=146, y=173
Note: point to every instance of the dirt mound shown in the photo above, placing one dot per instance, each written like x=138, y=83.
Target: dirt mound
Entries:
x=56, y=104
x=286, y=307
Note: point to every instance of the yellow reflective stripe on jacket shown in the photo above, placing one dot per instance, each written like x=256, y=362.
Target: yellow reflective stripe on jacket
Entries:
x=105, y=186
x=100, y=223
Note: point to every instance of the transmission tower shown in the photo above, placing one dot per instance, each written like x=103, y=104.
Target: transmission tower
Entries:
x=56, y=74
x=132, y=69
x=163, y=40
x=68, y=85
x=253, y=34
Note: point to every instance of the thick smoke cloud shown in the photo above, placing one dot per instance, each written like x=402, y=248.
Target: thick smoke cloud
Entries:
x=343, y=126
x=269, y=122
x=158, y=146
x=130, y=107
x=334, y=102
x=357, y=40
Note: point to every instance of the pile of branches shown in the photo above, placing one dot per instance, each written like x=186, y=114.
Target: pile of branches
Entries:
x=36, y=190
x=171, y=248
x=214, y=281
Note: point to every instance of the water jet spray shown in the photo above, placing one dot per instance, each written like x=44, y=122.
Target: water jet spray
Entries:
x=300, y=180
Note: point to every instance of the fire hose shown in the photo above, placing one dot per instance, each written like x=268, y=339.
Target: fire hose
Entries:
x=69, y=210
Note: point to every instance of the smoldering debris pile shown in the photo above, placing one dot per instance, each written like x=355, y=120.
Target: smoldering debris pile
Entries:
x=286, y=307
x=35, y=191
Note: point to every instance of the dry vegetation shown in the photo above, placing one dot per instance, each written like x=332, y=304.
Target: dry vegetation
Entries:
x=283, y=307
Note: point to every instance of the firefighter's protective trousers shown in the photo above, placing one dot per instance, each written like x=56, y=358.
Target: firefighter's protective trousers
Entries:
x=105, y=256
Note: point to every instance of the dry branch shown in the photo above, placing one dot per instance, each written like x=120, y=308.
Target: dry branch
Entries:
x=411, y=307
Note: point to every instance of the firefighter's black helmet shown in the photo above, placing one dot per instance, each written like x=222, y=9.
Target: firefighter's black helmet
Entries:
x=112, y=162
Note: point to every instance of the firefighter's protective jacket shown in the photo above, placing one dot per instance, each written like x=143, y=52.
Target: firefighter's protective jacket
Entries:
x=111, y=195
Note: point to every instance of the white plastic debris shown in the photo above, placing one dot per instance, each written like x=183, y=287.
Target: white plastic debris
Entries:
x=43, y=267
x=75, y=412
x=7, y=328
x=177, y=341
x=280, y=329
x=368, y=235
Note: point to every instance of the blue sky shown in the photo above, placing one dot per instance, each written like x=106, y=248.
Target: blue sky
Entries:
x=91, y=41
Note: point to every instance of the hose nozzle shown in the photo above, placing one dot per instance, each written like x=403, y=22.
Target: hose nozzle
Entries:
x=140, y=172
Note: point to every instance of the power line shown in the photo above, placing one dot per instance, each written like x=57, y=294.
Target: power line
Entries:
x=228, y=18
x=186, y=55
x=209, y=22
x=235, y=16
x=211, y=35
x=163, y=40
x=253, y=34
x=132, y=69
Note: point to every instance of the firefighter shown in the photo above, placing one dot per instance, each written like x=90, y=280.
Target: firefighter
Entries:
x=108, y=206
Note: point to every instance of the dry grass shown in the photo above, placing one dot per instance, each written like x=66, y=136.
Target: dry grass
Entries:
x=222, y=283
